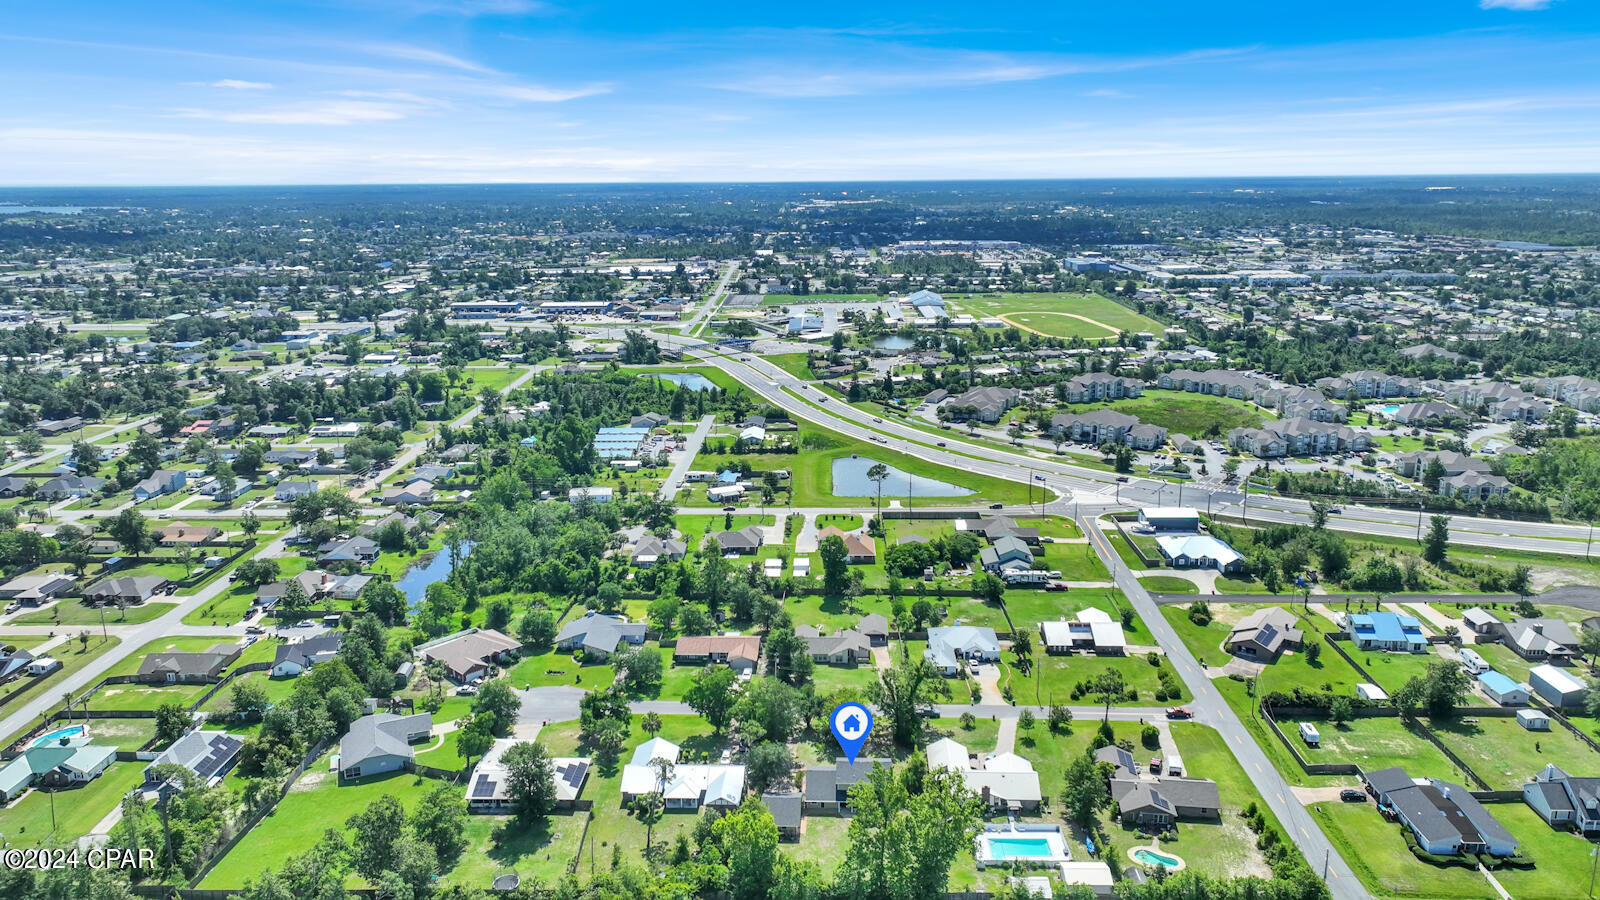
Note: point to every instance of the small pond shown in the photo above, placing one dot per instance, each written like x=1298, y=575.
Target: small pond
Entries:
x=690, y=380
x=893, y=342
x=414, y=583
x=850, y=480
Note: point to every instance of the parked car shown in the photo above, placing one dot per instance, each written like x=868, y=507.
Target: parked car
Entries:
x=1180, y=712
x=1351, y=795
x=467, y=690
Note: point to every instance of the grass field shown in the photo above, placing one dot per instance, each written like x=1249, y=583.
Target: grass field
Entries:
x=1065, y=315
x=316, y=802
x=497, y=844
x=1376, y=851
x=1188, y=413
x=1167, y=584
x=1505, y=754
x=73, y=612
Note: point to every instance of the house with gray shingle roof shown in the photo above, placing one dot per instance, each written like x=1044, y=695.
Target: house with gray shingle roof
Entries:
x=381, y=743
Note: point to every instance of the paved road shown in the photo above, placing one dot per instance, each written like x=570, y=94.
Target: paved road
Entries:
x=1094, y=487
x=691, y=449
x=23, y=714
x=713, y=301
x=1210, y=708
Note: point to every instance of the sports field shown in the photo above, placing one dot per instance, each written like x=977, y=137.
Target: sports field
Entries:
x=1087, y=316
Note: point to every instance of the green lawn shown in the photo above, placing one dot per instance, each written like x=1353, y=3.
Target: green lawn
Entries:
x=553, y=667
x=441, y=755
x=73, y=612
x=497, y=844
x=1376, y=851
x=316, y=802
x=130, y=664
x=822, y=841
x=812, y=472
x=1505, y=754
x=793, y=363
x=1052, y=678
x=1392, y=670
x=26, y=822
x=1053, y=314
x=1167, y=584
x=1373, y=744
x=831, y=678
x=145, y=696
x=1185, y=413
x=1559, y=857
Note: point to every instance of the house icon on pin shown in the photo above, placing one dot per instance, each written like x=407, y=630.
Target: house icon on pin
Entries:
x=851, y=725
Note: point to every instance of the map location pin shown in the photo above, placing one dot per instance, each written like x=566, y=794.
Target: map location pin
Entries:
x=851, y=723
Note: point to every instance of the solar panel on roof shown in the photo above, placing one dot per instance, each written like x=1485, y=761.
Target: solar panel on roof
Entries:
x=484, y=787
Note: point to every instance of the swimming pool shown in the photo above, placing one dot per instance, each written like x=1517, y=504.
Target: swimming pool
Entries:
x=1019, y=848
x=1021, y=843
x=60, y=734
x=1390, y=410
x=1146, y=856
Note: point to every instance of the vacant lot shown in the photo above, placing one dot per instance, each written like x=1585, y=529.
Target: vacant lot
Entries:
x=1505, y=754
x=1088, y=316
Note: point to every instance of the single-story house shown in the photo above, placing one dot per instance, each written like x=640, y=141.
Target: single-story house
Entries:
x=173, y=667
x=381, y=743
x=687, y=786
x=1093, y=629
x=739, y=652
x=827, y=788
x=1384, y=631
x=295, y=658
x=54, y=766
x=845, y=647
x=1446, y=819
x=487, y=793
x=127, y=590
x=948, y=645
x=1264, y=634
x=1199, y=551
x=467, y=655
x=33, y=589
x=1003, y=781
x=598, y=634
x=208, y=754
x=1162, y=800
x=786, y=812
x=1562, y=799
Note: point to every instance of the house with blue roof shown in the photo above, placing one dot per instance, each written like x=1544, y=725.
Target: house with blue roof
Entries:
x=727, y=476
x=1501, y=689
x=1385, y=631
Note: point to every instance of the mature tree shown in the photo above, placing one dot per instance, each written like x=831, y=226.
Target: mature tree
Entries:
x=640, y=670
x=248, y=700
x=440, y=820
x=651, y=723
x=900, y=692
x=1313, y=652
x=1432, y=472
x=768, y=710
x=748, y=838
x=1340, y=710
x=256, y=572
x=769, y=763
x=877, y=473
x=530, y=781
x=475, y=740
x=1108, y=686
x=835, y=565
x=1319, y=515
x=375, y=843
x=294, y=599
x=172, y=721
x=1438, y=691
x=1436, y=543
x=713, y=695
x=496, y=698
x=381, y=598
x=1589, y=644
x=132, y=533
x=1060, y=719
x=902, y=844
x=1086, y=791
x=537, y=628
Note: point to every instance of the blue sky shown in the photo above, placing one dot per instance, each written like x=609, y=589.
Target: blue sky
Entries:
x=339, y=91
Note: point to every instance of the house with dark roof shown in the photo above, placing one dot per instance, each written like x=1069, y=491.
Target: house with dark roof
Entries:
x=827, y=788
x=381, y=742
x=1162, y=800
x=745, y=541
x=598, y=634
x=1564, y=800
x=988, y=403
x=1006, y=553
x=649, y=550
x=876, y=629
x=35, y=589
x=127, y=590
x=1264, y=634
x=298, y=657
x=786, y=812
x=162, y=481
x=1446, y=819
x=358, y=550
x=208, y=754
x=844, y=647
x=174, y=667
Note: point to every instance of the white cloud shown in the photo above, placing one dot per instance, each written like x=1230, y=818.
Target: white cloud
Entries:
x=237, y=85
x=1514, y=4
x=412, y=53
x=332, y=112
x=533, y=93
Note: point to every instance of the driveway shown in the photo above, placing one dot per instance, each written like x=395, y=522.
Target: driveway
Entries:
x=550, y=704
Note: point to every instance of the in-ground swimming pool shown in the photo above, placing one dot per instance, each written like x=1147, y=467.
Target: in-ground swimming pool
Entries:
x=1390, y=410
x=1021, y=843
x=1019, y=848
x=55, y=737
x=1151, y=858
